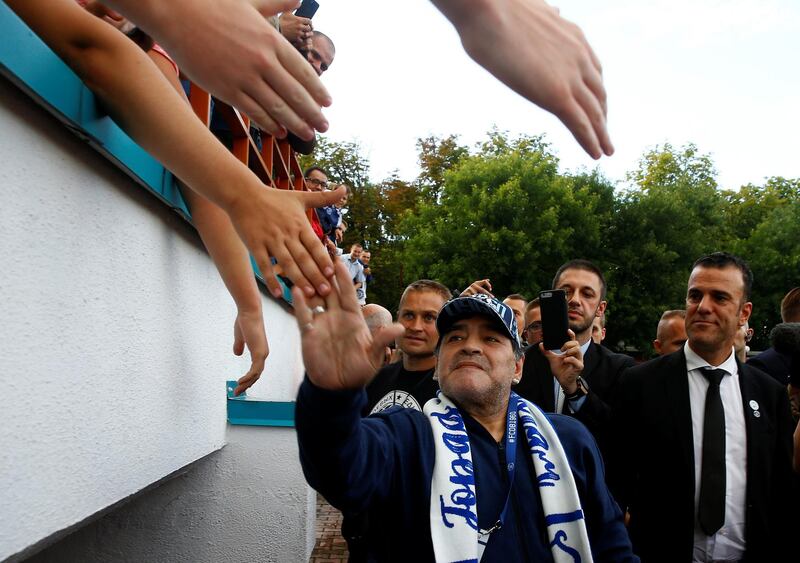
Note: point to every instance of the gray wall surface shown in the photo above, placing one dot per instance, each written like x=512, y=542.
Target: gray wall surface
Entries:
x=248, y=502
x=117, y=334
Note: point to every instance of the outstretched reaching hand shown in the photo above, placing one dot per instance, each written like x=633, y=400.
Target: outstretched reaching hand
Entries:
x=527, y=45
x=273, y=223
x=230, y=50
x=248, y=330
x=339, y=351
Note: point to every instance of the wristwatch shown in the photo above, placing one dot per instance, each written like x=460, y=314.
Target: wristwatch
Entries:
x=581, y=391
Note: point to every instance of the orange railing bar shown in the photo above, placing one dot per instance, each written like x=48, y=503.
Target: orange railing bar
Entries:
x=276, y=164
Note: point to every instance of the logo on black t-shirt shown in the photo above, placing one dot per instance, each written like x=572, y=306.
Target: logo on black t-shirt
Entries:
x=396, y=398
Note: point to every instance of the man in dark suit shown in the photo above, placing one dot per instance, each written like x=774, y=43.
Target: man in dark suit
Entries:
x=585, y=396
x=775, y=363
x=701, y=456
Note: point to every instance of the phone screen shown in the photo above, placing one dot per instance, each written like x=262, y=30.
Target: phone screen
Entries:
x=555, y=322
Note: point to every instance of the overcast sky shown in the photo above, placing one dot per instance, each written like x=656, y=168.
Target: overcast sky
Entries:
x=721, y=74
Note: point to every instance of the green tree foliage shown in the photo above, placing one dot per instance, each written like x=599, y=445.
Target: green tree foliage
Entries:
x=765, y=227
x=345, y=164
x=505, y=211
x=772, y=249
x=751, y=205
x=671, y=215
x=343, y=161
x=436, y=156
x=396, y=199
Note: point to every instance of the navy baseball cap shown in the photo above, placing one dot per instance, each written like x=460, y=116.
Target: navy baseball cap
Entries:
x=483, y=305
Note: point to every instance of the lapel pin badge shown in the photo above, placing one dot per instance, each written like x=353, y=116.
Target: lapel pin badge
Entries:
x=754, y=406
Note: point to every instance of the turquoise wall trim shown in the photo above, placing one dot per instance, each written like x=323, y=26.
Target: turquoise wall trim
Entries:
x=245, y=411
x=30, y=64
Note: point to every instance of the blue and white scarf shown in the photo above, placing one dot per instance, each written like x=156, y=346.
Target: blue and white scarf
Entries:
x=454, y=504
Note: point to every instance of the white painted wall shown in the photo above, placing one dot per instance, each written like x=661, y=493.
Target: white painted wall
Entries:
x=239, y=505
x=116, y=334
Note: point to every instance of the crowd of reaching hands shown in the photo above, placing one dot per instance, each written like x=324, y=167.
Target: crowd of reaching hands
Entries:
x=133, y=54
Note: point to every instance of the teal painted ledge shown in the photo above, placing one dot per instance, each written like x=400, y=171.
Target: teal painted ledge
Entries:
x=29, y=63
x=245, y=411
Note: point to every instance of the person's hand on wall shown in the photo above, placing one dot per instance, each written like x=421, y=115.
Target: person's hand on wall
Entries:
x=339, y=351
x=248, y=331
x=527, y=45
x=297, y=30
x=273, y=223
x=270, y=81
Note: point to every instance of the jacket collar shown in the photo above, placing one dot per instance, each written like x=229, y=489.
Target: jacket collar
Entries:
x=676, y=390
x=590, y=359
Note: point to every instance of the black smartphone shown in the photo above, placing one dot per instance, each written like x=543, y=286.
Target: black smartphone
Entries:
x=307, y=9
x=555, y=322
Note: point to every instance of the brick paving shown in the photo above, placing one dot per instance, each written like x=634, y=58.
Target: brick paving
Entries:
x=330, y=546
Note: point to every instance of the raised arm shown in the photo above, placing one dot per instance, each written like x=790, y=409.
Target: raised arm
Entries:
x=231, y=259
x=233, y=263
x=525, y=43
x=270, y=81
x=272, y=223
x=479, y=286
x=339, y=351
x=528, y=46
x=347, y=459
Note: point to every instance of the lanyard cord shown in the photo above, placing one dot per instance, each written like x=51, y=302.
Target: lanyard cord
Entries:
x=511, y=457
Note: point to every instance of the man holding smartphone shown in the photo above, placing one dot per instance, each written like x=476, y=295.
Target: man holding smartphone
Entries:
x=585, y=395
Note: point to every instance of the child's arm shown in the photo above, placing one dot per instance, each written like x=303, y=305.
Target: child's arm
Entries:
x=229, y=49
x=551, y=63
x=231, y=259
x=233, y=263
x=270, y=222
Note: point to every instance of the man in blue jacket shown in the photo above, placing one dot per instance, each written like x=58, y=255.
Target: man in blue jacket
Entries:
x=457, y=482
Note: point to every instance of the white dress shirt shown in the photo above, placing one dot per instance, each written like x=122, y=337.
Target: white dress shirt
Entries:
x=354, y=268
x=728, y=543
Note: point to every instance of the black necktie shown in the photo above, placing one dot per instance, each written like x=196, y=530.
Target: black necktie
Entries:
x=711, y=510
